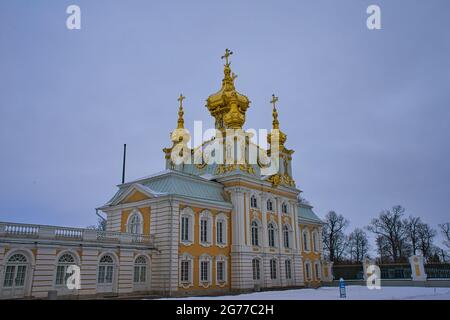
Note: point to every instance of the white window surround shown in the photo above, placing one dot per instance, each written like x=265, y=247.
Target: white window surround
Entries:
x=287, y=231
x=288, y=269
x=256, y=269
x=190, y=259
x=205, y=258
x=62, y=261
x=306, y=241
x=308, y=270
x=135, y=222
x=317, y=271
x=270, y=205
x=275, y=233
x=255, y=233
x=106, y=260
x=205, y=215
x=315, y=241
x=189, y=214
x=285, y=208
x=254, y=201
x=222, y=258
x=140, y=270
x=221, y=217
x=273, y=268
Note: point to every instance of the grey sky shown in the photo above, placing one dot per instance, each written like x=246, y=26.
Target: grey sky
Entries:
x=367, y=112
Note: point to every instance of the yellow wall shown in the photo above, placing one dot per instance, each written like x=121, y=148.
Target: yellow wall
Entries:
x=311, y=256
x=146, y=214
x=196, y=250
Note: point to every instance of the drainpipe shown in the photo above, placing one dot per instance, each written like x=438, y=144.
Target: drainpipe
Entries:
x=171, y=249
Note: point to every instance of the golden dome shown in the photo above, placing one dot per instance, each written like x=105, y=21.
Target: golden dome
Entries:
x=227, y=105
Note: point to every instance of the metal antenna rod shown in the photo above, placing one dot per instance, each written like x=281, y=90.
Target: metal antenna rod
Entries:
x=124, y=160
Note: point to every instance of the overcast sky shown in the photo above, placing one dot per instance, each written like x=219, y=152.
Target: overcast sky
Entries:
x=367, y=111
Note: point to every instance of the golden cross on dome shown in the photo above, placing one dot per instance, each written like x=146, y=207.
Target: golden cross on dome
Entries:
x=227, y=54
x=180, y=99
x=274, y=101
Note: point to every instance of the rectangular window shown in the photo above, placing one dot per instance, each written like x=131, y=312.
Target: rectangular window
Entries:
x=256, y=271
x=308, y=274
x=136, y=274
x=220, y=271
x=9, y=276
x=20, y=276
x=101, y=274
x=273, y=269
x=60, y=272
x=204, y=271
x=109, y=274
x=204, y=230
x=143, y=273
x=317, y=271
x=185, y=271
x=220, y=232
x=184, y=229
x=288, y=269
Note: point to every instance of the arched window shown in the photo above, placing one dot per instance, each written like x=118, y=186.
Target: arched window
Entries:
x=315, y=242
x=253, y=202
x=306, y=244
x=135, y=224
x=269, y=205
x=273, y=269
x=256, y=269
x=255, y=234
x=271, y=230
x=284, y=208
x=16, y=271
x=64, y=262
x=140, y=270
x=106, y=270
x=286, y=236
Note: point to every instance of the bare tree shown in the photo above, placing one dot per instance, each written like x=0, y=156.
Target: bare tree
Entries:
x=334, y=239
x=390, y=231
x=358, y=245
x=412, y=232
x=101, y=225
x=426, y=236
x=445, y=230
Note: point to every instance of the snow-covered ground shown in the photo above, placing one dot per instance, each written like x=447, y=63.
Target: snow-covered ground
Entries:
x=353, y=293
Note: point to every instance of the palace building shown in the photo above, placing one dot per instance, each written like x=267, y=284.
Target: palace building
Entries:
x=200, y=227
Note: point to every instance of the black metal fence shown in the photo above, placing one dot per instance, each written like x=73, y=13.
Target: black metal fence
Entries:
x=395, y=271
x=437, y=270
x=388, y=271
x=348, y=272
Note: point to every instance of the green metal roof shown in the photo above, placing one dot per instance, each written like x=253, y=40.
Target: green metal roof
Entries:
x=172, y=182
x=305, y=212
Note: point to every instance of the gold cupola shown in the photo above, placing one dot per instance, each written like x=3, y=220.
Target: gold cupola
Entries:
x=180, y=134
x=276, y=125
x=227, y=105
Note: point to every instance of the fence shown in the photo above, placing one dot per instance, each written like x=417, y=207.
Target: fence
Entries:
x=437, y=270
x=392, y=271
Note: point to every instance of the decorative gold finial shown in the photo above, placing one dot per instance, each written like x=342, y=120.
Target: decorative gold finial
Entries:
x=275, y=112
x=181, y=112
x=227, y=54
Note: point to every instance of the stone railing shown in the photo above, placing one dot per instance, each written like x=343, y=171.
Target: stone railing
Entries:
x=32, y=231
